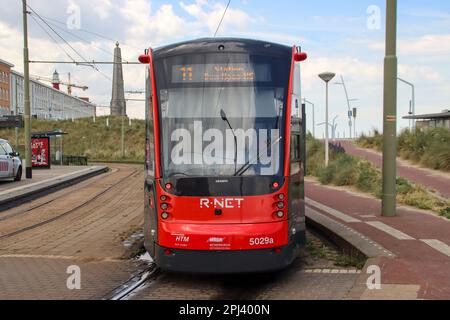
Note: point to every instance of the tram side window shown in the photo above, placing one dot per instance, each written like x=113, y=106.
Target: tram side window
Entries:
x=295, y=154
x=295, y=147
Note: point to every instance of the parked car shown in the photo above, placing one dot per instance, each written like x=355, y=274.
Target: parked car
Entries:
x=10, y=162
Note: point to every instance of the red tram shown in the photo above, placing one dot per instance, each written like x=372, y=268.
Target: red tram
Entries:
x=224, y=187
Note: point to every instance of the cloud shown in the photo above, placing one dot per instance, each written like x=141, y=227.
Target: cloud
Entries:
x=431, y=44
x=353, y=69
x=103, y=8
x=211, y=14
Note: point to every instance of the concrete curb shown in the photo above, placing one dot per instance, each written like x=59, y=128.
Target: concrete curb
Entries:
x=350, y=242
x=346, y=238
x=9, y=201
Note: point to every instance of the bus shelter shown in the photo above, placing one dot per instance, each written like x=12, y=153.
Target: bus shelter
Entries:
x=47, y=148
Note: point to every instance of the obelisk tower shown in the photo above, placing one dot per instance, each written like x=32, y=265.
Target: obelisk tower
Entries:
x=118, y=105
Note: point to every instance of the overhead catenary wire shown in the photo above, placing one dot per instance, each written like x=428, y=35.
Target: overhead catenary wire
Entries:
x=92, y=65
x=52, y=38
x=55, y=32
x=223, y=17
x=83, y=39
x=91, y=32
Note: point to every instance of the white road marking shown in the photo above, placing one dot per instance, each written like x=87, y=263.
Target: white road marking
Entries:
x=45, y=181
x=438, y=245
x=390, y=230
x=333, y=212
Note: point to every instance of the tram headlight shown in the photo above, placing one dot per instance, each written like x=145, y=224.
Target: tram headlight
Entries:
x=163, y=198
x=164, y=206
x=281, y=196
x=280, y=214
x=280, y=205
x=165, y=215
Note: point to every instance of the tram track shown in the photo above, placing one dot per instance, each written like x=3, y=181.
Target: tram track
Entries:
x=29, y=210
x=64, y=214
x=154, y=283
x=135, y=283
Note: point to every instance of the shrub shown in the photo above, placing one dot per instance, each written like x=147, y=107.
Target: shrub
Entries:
x=368, y=177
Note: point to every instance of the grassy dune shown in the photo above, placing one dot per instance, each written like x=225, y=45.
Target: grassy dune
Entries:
x=351, y=171
x=429, y=148
x=95, y=140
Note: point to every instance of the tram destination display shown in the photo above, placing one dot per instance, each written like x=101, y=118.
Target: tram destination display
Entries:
x=237, y=72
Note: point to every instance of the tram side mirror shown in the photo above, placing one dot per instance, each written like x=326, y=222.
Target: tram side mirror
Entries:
x=223, y=115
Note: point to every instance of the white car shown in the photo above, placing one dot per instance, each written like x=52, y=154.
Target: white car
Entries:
x=10, y=163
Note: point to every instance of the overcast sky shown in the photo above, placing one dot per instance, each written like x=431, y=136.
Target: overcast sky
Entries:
x=340, y=36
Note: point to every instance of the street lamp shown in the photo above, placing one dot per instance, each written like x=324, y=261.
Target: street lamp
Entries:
x=333, y=127
x=413, y=101
x=342, y=83
x=327, y=77
x=313, y=116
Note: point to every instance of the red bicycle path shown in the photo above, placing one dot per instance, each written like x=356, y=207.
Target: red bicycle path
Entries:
x=415, y=262
x=428, y=178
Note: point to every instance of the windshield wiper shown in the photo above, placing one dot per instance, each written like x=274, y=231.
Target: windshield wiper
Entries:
x=247, y=166
x=224, y=117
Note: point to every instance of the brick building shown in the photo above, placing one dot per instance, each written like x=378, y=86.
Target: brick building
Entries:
x=5, y=90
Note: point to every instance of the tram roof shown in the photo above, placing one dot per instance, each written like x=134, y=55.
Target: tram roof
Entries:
x=205, y=45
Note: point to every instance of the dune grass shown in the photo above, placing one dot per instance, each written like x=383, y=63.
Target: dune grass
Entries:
x=428, y=148
x=351, y=171
x=97, y=141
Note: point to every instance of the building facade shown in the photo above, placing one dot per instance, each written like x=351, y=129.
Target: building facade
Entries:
x=5, y=72
x=430, y=121
x=45, y=101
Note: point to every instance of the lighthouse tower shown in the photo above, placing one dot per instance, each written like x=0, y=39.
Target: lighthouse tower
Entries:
x=118, y=105
x=55, y=81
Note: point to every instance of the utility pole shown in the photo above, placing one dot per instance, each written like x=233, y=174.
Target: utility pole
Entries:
x=354, y=123
x=16, y=112
x=123, y=134
x=389, y=201
x=26, y=93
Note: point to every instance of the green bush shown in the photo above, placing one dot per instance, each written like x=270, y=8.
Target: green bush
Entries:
x=315, y=153
x=445, y=212
x=368, y=177
x=371, y=142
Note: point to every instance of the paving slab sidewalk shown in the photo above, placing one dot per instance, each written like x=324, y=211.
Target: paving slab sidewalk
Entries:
x=44, y=182
x=414, y=247
x=434, y=179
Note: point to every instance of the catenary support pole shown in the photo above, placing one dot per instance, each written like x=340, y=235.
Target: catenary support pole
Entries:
x=389, y=203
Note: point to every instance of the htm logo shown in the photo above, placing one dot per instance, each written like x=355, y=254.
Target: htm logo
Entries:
x=181, y=238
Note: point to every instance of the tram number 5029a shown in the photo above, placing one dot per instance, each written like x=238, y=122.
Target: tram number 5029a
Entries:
x=261, y=241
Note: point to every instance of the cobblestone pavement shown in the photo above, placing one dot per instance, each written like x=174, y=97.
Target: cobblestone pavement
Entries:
x=313, y=276
x=84, y=225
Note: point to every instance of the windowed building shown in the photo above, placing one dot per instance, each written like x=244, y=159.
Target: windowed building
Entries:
x=5, y=71
x=46, y=102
